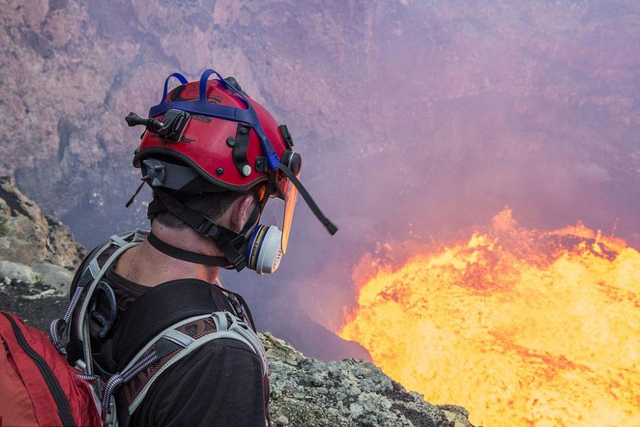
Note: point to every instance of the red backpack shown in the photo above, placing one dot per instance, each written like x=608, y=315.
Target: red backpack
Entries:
x=38, y=387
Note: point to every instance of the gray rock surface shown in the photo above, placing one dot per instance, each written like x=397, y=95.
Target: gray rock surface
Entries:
x=15, y=272
x=54, y=276
x=35, y=302
x=308, y=392
x=50, y=279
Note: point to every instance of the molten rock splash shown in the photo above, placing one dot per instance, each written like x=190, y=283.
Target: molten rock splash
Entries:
x=521, y=327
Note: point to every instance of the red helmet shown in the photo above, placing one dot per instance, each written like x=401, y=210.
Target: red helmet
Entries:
x=223, y=140
x=228, y=154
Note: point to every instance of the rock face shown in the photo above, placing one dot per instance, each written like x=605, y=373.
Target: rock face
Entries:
x=37, y=251
x=502, y=84
x=414, y=117
x=27, y=236
x=308, y=392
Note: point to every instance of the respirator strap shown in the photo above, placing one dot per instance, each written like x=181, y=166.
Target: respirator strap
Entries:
x=185, y=255
x=228, y=241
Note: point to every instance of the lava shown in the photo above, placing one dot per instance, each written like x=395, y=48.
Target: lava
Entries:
x=521, y=327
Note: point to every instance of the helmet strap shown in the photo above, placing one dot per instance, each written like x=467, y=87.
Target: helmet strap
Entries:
x=130, y=202
x=229, y=242
x=185, y=255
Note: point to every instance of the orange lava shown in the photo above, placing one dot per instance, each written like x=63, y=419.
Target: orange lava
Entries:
x=521, y=327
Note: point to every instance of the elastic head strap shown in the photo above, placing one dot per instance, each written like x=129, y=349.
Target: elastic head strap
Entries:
x=331, y=227
x=228, y=241
x=185, y=255
x=246, y=115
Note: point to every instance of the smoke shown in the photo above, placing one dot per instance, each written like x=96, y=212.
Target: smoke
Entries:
x=416, y=119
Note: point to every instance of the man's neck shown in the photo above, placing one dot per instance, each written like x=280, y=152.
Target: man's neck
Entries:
x=147, y=266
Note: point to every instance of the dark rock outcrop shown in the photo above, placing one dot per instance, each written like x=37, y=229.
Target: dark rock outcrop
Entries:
x=27, y=236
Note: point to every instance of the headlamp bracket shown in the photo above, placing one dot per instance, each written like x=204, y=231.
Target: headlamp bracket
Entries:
x=174, y=123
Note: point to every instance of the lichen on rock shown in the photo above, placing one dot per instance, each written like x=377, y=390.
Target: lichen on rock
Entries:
x=308, y=392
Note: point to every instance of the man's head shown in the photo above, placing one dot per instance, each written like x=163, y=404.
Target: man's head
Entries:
x=213, y=157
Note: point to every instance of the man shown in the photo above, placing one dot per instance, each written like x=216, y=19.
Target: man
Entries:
x=213, y=158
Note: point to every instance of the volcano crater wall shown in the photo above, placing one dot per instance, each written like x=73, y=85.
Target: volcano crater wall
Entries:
x=416, y=119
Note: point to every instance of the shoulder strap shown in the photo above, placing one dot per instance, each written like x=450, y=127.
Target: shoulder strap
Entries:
x=167, y=324
x=177, y=342
x=74, y=323
x=160, y=308
x=84, y=283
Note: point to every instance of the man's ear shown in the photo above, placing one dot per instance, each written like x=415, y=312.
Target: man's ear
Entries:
x=240, y=212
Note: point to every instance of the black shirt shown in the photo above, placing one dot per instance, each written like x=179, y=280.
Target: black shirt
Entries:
x=220, y=384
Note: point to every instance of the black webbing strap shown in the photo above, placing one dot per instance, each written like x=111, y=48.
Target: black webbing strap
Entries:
x=193, y=219
x=158, y=309
x=241, y=147
x=331, y=227
x=154, y=209
x=228, y=241
x=185, y=255
x=243, y=304
x=130, y=202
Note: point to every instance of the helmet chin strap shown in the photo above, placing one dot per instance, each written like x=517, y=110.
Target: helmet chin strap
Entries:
x=229, y=242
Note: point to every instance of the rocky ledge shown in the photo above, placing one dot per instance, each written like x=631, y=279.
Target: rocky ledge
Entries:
x=308, y=392
x=38, y=255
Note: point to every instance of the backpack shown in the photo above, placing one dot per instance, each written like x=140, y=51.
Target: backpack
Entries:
x=163, y=326
x=37, y=385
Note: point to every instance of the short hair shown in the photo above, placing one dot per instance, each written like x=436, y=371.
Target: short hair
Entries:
x=210, y=204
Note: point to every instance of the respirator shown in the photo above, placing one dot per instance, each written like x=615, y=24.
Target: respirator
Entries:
x=264, y=250
x=267, y=243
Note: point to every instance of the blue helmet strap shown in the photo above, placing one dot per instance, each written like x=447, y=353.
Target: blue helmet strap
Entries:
x=204, y=108
x=178, y=76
